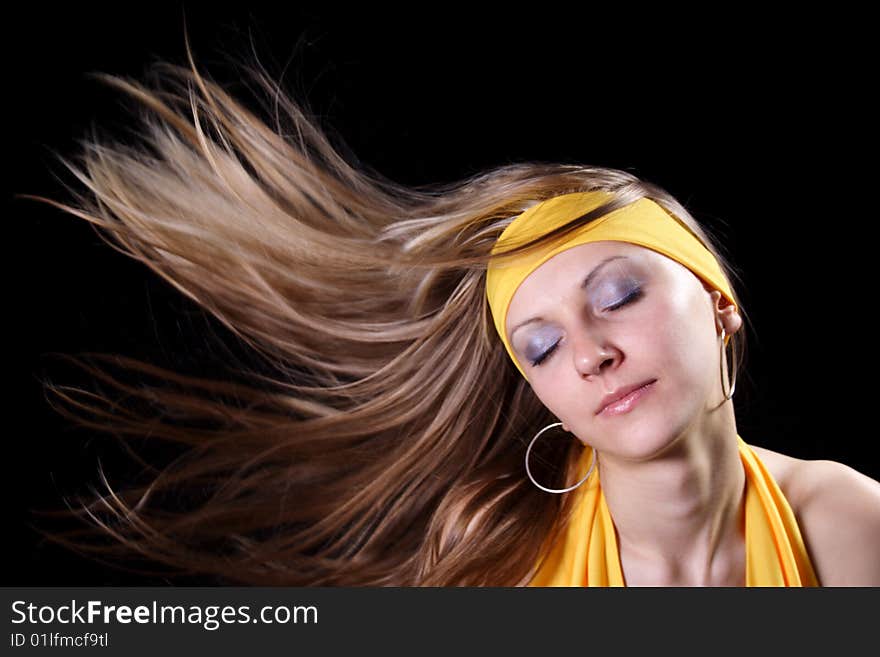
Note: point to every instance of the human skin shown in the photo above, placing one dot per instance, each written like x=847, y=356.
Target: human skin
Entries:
x=670, y=468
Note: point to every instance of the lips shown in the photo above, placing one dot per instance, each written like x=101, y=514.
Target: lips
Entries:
x=620, y=393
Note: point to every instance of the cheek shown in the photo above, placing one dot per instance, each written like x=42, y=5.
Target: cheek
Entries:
x=669, y=337
x=684, y=343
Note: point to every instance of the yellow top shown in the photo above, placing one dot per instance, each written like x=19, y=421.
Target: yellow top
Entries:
x=587, y=554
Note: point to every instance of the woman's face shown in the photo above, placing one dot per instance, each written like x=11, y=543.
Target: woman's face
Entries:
x=612, y=315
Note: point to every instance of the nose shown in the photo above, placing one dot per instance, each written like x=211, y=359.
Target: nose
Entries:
x=591, y=356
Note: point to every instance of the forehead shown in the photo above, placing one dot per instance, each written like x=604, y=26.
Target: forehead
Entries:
x=565, y=271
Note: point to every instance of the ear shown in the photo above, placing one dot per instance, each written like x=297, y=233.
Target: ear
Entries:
x=726, y=315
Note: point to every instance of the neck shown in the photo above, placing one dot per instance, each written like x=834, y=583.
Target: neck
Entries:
x=680, y=516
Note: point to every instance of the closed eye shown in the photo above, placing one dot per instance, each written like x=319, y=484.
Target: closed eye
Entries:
x=633, y=296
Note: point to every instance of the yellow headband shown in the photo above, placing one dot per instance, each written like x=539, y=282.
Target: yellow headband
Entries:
x=643, y=222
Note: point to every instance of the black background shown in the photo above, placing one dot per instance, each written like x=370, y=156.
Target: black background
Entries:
x=757, y=124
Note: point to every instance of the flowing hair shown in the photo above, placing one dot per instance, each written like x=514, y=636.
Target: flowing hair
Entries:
x=384, y=443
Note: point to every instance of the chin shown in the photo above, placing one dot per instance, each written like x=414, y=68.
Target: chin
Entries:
x=639, y=439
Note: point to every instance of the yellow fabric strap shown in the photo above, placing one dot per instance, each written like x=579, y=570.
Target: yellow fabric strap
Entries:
x=643, y=222
x=586, y=554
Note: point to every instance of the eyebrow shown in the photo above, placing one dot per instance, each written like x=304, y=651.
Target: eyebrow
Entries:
x=584, y=285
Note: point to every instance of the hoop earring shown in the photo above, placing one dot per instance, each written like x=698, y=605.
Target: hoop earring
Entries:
x=729, y=393
x=555, y=490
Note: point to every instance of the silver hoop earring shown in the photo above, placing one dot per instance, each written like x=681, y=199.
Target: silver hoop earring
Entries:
x=555, y=490
x=728, y=394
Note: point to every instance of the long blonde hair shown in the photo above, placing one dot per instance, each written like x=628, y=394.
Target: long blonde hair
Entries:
x=387, y=445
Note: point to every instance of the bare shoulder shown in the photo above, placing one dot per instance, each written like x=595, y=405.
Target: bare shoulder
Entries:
x=838, y=511
x=782, y=467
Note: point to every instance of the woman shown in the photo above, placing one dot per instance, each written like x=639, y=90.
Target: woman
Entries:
x=387, y=438
x=621, y=330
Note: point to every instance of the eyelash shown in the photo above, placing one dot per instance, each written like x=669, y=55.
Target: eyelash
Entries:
x=629, y=298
